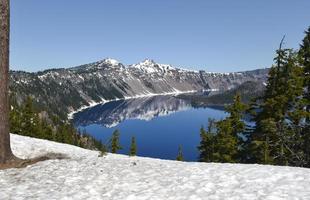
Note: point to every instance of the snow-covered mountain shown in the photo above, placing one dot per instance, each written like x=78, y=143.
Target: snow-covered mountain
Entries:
x=150, y=66
x=65, y=90
x=84, y=175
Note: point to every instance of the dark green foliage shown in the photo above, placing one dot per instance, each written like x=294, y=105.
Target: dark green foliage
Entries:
x=60, y=95
x=180, y=154
x=226, y=148
x=114, y=142
x=26, y=120
x=304, y=59
x=29, y=119
x=277, y=136
x=247, y=90
x=281, y=133
x=102, y=147
x=222, y=141
x=133, y=147
x=207, y=143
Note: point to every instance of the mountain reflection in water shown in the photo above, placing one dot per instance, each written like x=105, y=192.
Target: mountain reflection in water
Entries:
x=112, y=113
x=159, y=123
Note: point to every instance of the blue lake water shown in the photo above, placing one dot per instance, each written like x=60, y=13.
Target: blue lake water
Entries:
x=160, y=124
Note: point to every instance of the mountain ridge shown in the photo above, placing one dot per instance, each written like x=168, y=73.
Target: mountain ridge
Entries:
x=115, y=62
x=65, y=90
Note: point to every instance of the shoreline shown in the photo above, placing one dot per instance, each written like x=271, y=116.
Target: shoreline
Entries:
x=92, y=104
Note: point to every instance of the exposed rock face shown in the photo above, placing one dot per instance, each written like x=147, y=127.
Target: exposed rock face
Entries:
x=64, y=90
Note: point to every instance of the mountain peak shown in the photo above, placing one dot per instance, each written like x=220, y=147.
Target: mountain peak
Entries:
x=110, y=61
x=150, y=66
x=147, y=62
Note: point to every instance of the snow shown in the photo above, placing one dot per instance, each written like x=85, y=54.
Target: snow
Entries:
x=103, y=101
x=187, y=70
x=51, y=74
x=86, y=176
x=150, y=66
x=146, y=66
x=111, y=61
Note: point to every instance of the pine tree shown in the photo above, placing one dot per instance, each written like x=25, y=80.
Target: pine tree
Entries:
x=101, y=147
x=304, y=55
x=222, y=142
x=236, y=112
x=15, y=116
x=207, y=142
x=226, y=144
x=26, y=120
x=228, y=138
x=59, y=136
x=180, y=154
x=114, y=142
x=46, y=129
x=133, y=147
x=29, y=119
x=275, y=139
x=262, y=148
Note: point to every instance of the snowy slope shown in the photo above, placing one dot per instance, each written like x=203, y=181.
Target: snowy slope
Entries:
x=150, y=66
x=87, y=176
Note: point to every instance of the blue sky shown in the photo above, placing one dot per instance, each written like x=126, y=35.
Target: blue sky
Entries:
x=222, y=35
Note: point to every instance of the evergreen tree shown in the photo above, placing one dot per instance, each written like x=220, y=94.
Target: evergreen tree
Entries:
x=207, y=142
x=228, y=138
x=114, y=142
x=29, y=118
x=226, y=144
x=101, y=147
x=46, y=129
x=236, y=112
x=15, y=116
x=180, y=154
x=275, y=139
x=304, y=55
x=222, y=142
x=26, y=120
x=133, y=147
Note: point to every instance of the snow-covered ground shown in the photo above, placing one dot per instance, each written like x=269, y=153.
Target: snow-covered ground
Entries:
x=87, y=176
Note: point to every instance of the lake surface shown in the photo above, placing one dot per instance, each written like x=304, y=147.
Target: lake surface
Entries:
x=160, y=124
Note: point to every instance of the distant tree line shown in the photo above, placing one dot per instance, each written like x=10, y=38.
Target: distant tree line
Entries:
x=247, y=90
x=279, y=132
x=26, y=120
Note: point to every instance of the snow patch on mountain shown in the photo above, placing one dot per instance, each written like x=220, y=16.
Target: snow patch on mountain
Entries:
x=111, y=61
x=108, y=79
x=150, y=66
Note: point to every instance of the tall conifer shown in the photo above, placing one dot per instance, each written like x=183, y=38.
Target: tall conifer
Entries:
x=180, y=154
x=114, y=142
x=133, y=147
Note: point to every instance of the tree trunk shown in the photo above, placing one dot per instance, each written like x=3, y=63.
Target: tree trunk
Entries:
x=5, y=148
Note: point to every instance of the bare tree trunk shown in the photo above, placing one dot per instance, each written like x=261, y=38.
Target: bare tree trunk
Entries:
x=7, y=158
x=6, y=154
